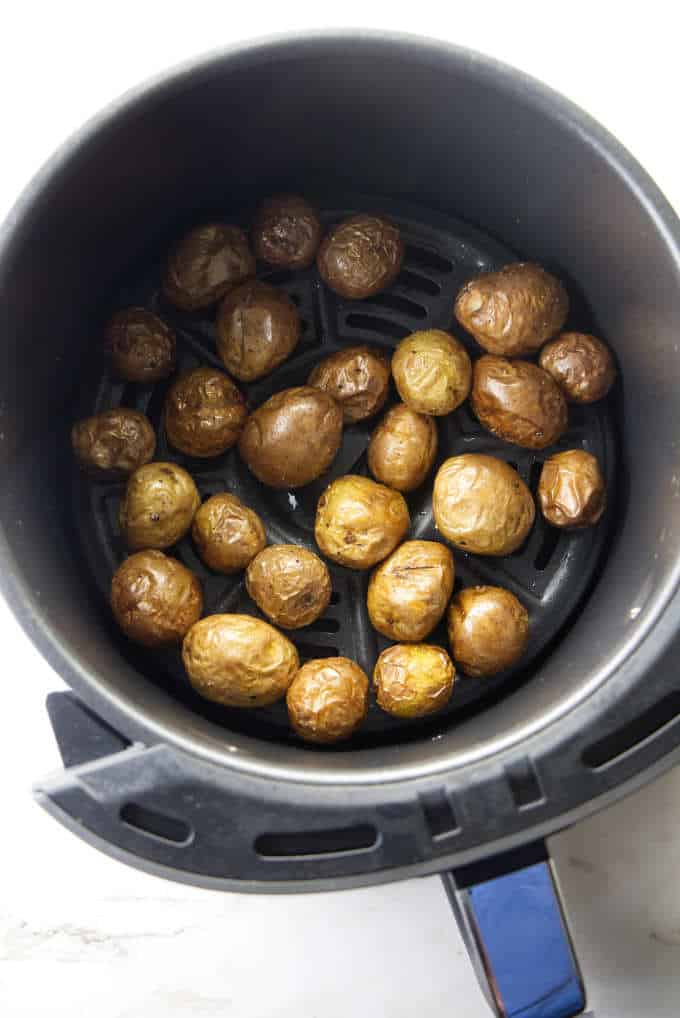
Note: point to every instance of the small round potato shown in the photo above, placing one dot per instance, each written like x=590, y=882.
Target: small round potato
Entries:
x=286, y=232
x=113, y=443
x=513, y=311
x=582, y=366
x=360, y=256
x=358, y=522
x=488, y=630
x=292, y=438
x=239, y=661
x=290, y=585
x=209, y=261
x=412, y=680
x=432, y=372
x=518, y=402
x=155, y=599
x=409, y=591
x=140, y=345
x=328, y=699
x=357, y=378
x=158, y=506
x=258, y=327
x=402, y=448
x=227, y=534
x=571, y=490
x=204, y=413
x=482, y=505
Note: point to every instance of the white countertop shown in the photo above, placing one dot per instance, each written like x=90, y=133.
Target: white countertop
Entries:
x=81, y=934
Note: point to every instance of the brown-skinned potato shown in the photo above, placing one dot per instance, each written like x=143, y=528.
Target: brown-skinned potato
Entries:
x=258, y=327
x=581, y=364
x=113, y=443
x=328, y=699
x=358, y=379
x=155, y=599
x=403, y=448
x=289, y=584
x=286, y=232
x=158, y=506
x=204, y=413
x=360, y=256
x=488, y=630
x=571, y=490
x=409, y=591
x=227, y=534
x=358, y=522
x=518, y=401
x=432, y=372
x=412, y=680
x=207, y=262
x=140, y=345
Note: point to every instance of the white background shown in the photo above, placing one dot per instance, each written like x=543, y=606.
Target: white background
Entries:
x=83, y=935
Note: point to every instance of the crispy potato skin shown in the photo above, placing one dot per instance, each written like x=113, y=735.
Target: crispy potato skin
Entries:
x=571, y=490
x=328, y=699
x=227, y=534
x=412, y=680
x=258, y=327
x=402, y=448
x=409, y=591
x=518, y=402
x=357, y=378
x=155, y=599
x=158, y=506
x=513, y=311
x=286, y=232
x=239, y=661
x=432, y=372
x=289, y=584
x=488, y=630
x=113, y=443
x=358, y=522
x=207, y=262
x=140, y=346
x=360, y=256
x=581, y=364
x=204, y=413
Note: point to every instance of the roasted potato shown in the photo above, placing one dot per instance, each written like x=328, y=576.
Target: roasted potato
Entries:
x=482, y=505
x=488, y=630
x=258, y=327
x=227, y=534
x=238, y=660
x=358, y=379
x=208, y=261
x=204, y=413
x=360, y=256
x=286, y=232
x=518, y=402
x=409, y=591
x=582, y=366
x=113, y=443
x=359, y=522
x=402, y=448
x=155, y=599
x=158, y=507
x=571, y=490
x=328, y=699
x=412, y=680
x=513, y=311
x=432, y=372
x=292, y=438
x=141, y=347
x=289, y=584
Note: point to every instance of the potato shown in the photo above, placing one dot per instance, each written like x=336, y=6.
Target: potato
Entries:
x=513, y=311
x=328, y=699
x=258, y=327
x=571, y=490
x=239, y=661
x=141, y=347
x=402, y=448
x=412, y=680
x=581, y=364
x=208, y=261
x=360, y=256
x=286, y=232
x=158, y=507
x=409, y=591
x=482, y=505
x=290, y=585
x=204, y=413
x=488, y=630
x=292, y=438
x=358, y=379
x=518, y=402
x=359, y=522
x=113, y=443
x=227, y=534
x=155, y=599
x=432, y=372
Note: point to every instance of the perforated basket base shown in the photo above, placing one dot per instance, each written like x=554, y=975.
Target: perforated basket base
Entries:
x=550, y=574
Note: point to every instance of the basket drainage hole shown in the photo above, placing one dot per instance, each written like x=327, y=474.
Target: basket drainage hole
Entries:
x=551, y=536
x=633, y=735
x=310, y=651
x=323, y=626
x=439, y=815
x=395, y=303
x=427, y=259
x=374, y=324
x=156, y=824
x=535, y=475
x=312, y=844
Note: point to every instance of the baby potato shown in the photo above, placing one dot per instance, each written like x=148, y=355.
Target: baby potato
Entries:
x=571, y=490
x=359, y=522
x=358, y=379
x=113, y=443
x=412, y=680
x=140, y=345
x=518, y=402
x=289, y=584
x=204, y=413
x=258, y=327
x=158, y=506
x=328, y=699
x=402, y=448
x=286, y=232
x=488, y=630
x=227, y=534
x=360, y=256
x=208, y=261
x=432, y=372
x=581, y=364
x=409, y=591
x=155, y=599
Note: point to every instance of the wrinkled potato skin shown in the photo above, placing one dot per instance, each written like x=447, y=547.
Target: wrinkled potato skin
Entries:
x=518, y=402
x=113, y=443
x=141, y=347
x=286, y=232
x=360, y=256
x=258, y=327
x=328, y=699
x=239, y=661
x=289, y=584
x=227, y=534
x=432, y=372
x=158, y=506
x=409, y=591
x=488, y=630
x=571, y=490
x=292, y=438
x=412, y=680
x=208, y=261
x=513, y=311
x=204, y=413
x=358, y=522
x=581, y=364
x=482, y=505
x=357, y=378
x=402, y=448
x=155, y=599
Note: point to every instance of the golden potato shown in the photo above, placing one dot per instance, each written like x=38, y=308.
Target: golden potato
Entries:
x=158, y=506
x=155, y=599
x=358, y=379
x=582, y=366
x=286, y=232
x=402, y=448
x=359, y=522
x=258, y=327
x=360, y=256
x=328, y=699
x=412, y=680
x=113, y=443
x=208, y=261
x=227, y=534
x=204, y=413
x=432, y=372
x=140, y=345
x=488, y=630
x=289, y=584
x=409, y=591
x=518, y=401
x=571, y=490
